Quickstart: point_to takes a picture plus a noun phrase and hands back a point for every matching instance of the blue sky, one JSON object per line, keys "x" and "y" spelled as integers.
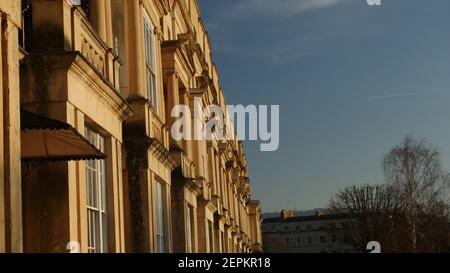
{"x": 351, "y": 81}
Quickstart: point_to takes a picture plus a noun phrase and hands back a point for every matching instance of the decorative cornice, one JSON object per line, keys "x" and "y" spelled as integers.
{"x": 191, "y": 185}
{"x": 230, "y": 164}
{"x": 223, "y": 147}
{"x": 211, "y": 207}
{"x": 158, "y": 33}
{"x": 185, "y": 14}
{"x": 188, "y": 183}
{"x": 188, "y": 44}
{"x": 181, "y": 48}
{"x": 219, "y": 218}
{"x": 162, "y": 154}
{"x": 163, "y": 6}
{"x": 198, "y": 50}
{"x": 197, "y": 92}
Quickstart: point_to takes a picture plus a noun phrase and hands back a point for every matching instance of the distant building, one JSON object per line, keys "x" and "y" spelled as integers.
{"x": 318, "y": 233}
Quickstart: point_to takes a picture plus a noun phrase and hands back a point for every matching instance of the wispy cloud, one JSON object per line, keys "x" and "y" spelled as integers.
{"x": 281, "y": 8}
{"x": 390, "y": 96}
{"x": 275, "y": 53}
{"x": 257, "y": 28}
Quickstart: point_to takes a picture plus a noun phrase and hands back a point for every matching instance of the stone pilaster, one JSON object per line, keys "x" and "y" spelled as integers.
{"x": 138, "y": 193}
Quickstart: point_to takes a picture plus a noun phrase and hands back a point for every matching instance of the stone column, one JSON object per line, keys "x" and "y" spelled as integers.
{"x": 225, "y": 239}
{"x": 168, "y": 219}
{"x": 218, "y": 233}
{"x": 173, "y": 99}
{"x": 136, "y": 135}
{"x": 202, "y": 227}
{"x": 100, "y": 19}
{"x": 10, "y": 179}
{"x": 134, "y": 49}
{"x": 138, "y": 190}
{"x": 108, "y": 24}
{"x": 52, "y": 29}
{"x": 115, "y": 196}
{"x": 188, "y": 145}
{"x": 97, "y": 17}
{"x": 2, "y": 163}
{"x": 179, "y": 220}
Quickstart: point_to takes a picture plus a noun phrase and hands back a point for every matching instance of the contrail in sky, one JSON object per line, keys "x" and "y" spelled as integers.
{"x": 389, "y": 96}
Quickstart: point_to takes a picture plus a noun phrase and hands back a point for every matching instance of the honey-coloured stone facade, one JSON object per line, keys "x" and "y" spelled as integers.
{"x": 113, "y": 71}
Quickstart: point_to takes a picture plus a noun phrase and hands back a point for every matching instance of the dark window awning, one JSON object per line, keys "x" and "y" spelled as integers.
{"x": 44, "y": 139}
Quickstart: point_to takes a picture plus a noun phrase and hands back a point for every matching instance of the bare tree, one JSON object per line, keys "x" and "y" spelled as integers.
{"x": 414, "y": 169}
{"x": 372, "y": 215}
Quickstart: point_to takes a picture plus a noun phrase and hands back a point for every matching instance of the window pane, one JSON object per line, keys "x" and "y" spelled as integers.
{"x": 150, "y": 62}
{"x": 104, "y": 233}
{"x": 189, "y": 231}
{"x": 102, "y": 182}
{"x": 91, "y": 234}
{"x": 96, "y": 196}
{"x": 160, "y": 218}
{"x": 211, "y": 238}
{"x": 98, "y": 237}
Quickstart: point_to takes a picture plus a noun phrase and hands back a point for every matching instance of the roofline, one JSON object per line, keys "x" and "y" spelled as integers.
{"x": 306, "y": 218}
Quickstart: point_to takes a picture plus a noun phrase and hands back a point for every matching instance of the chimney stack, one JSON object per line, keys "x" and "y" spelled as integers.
{"x": 318, "y": 212}
{"x": 286, "y": 214}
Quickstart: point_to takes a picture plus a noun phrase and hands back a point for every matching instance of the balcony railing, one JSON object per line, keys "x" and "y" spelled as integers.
{"x": 158, "y": 130}
{"x": 94, "y": 49}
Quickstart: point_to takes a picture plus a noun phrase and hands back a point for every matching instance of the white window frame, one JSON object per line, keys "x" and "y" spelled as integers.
{"x": 96, "y": 197}
{"x": 215, "y": 175}
{"x": 190, "y": 228}
{"x": 150, "y": 62}
{"x": 203, "y": 157}
{"x": 160, "y": 218}
{"x": 210, "y": 236}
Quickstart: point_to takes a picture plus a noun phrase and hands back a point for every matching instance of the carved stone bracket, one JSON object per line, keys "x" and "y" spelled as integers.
{"x": 162, "y": 154}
